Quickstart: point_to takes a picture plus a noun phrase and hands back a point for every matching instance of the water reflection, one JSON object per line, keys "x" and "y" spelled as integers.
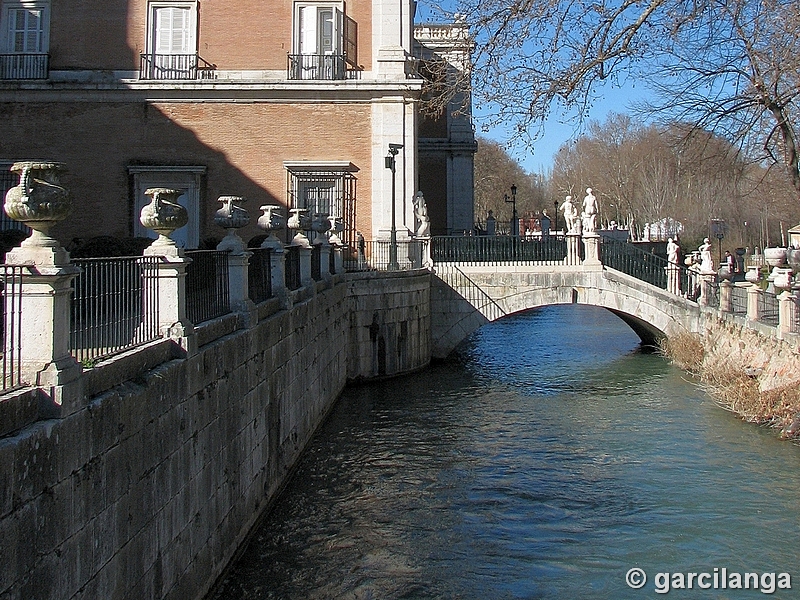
{"x": 548, "y": 457}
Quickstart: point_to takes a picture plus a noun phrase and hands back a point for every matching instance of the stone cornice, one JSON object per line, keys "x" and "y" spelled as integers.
{"x": 210, "y": 91}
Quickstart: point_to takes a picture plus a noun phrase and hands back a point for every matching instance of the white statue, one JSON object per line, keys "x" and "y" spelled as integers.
{"x": 673, "y": 251}
{"x": 589, "y": 215}
{"x": 570, "y": 215}
{"x": 421, "y": 212}
{"x": 706, "y": 260}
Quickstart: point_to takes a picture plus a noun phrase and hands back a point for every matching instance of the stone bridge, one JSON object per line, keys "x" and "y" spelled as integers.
{"x": 466, "y": 296}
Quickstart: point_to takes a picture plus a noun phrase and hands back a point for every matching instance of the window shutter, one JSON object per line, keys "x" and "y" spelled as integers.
{"x": 350, "y": 41}
{"x": 308, "y": 30}
{"x": 174, "y": 33}
{"x": 25, "y": 30}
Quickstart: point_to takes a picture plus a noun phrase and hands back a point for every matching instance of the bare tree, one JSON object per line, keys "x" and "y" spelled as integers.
{"x": 728, "y": 66}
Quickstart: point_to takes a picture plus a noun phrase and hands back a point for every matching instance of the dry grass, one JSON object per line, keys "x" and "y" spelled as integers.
{"x": 734, "y": 390}
{"x": 684, "y": 350}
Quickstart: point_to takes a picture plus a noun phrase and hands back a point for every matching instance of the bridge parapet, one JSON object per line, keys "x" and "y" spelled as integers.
{"x": 481, "y": 279}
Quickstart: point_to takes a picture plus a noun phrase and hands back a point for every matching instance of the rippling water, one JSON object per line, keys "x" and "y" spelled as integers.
{"x": 545, "y": 460}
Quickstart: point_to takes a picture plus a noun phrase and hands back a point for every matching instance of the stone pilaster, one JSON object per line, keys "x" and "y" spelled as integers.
{"x": 753, "y": 310}
{"x": 725, "y": 296}
{"x": 787, "y": 309}
{"x": 591, "y": 242}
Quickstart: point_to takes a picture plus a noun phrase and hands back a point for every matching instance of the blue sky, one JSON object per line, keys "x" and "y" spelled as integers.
{"x": 558, "y": 131}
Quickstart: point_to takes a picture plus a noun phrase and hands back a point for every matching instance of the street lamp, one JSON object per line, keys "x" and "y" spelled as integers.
{"x": 717, "y": 227}
{"x": 513, "y": 200}
{"x": 390, "y": 164}
{"x": 555, "y": 217}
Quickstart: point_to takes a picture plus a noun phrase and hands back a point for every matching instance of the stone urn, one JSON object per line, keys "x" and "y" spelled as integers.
{"x": 753, "y": 274}
{"x": 320, "y": 224}
{"x": 337, "y": 227}
{"x": 163, "y": 215}
{"x": 271, "y": 220}
{"x": 724, "y": 274}
{"x": 793, "y": 258}
{"x": 231, "y": 216}
{"x": 39, "y": 201}
{"x": 299, "y": 221}
{"x": 783, "y": 279}
{"x": 775, "y": 257}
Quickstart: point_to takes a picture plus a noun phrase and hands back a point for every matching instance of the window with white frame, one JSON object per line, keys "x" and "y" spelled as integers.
{"x": 25, "y": 39}
{"x": 171, "y": 45}
{"x": 186, "y": 178}
{"x": 324, "y": 41}
{"x": 324, "y": 187}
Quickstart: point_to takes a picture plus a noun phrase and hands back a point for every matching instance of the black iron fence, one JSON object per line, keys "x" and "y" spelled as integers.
{"x": 292, "y": 267}
{"x": 547, "y": 250}
{"x": 316, "y": 262}
{"x": 378, "y": 256}
{"x": 768, "y": 308}
{"x": 739, "y": 300}
{"x": 114, "y": 305}
{"x": 259, "y": 274}
{"x": 207, "y": 292}
{"x": 24, "y": 66}
{"x": 11, "y": 325}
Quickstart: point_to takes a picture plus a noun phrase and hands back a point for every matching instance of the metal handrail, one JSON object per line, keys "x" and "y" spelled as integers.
{"x": 174, "y": 67}
{"x": 317, "y": 67}
{"x": 501, "y": 249}
{"x": 11, "y": 326}
{"x": 114, "y": 305}
{"x": 207, "y": 288}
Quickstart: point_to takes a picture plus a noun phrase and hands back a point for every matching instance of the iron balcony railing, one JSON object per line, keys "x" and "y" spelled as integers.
{"x": 24, "y": 66}
{"x": 326, "y": 67}
{"x": 259, "y": 274}
{"x": 174, "y": 67}
{"x": 114, "y": 306}
{"x": 501, "y": 249}
{"x": 11, "y": 282}
{"x": 207, "y": 291}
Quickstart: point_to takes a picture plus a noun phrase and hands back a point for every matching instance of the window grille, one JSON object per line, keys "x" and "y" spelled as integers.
{"x": 327, "y": 191}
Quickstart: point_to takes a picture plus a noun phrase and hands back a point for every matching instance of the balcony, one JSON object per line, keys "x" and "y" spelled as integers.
{"x": 174, "y": 67}
{"x": 320, "y": 67}
{"x": 24, "y": 66}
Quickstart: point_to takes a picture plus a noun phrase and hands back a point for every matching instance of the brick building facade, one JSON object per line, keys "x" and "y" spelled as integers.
{"x": 281, "y": 102}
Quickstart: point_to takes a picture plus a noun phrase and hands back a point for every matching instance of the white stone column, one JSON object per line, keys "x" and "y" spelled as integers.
{"x": 45, "y": 306}
{"x": 169, "y": 279}
{"x": 673, "y": 279}
{"x": 725, "y": 296}
{"x": 232, "y": 217}
{"x": 787, "y": 308}
{"x": 753, "y": 311}
{"x": 238, "y": 279}
{"x": 591, "y": 242}
{"x": 705, "y": 288}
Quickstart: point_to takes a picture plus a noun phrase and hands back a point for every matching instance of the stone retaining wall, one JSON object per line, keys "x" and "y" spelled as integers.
{"x": 148, "y": 490}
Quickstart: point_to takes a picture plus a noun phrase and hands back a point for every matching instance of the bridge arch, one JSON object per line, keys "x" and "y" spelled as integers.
{"x": 466, "y": 297}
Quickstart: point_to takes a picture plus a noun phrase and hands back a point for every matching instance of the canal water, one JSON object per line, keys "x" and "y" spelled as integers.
{"x": 546, "y": 459}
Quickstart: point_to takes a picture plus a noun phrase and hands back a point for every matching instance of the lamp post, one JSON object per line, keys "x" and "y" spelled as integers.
{"x": 555, "y": 217}
{"x": 718, "y": 231}
{"x": 390, "y": 164}
{"x": 514, "y": 219}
